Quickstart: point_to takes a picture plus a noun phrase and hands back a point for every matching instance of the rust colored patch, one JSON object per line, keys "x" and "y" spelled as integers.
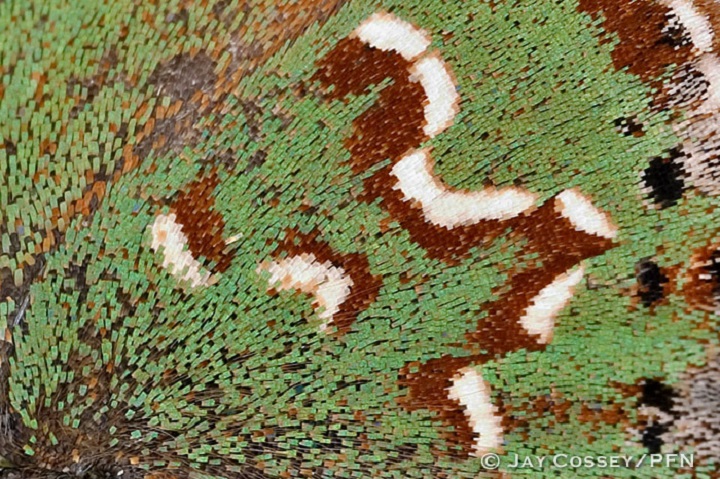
{"x": 391, "y": 126}
{"x": 617, "y": 413}
{"x": 646, "y": 48}
{"x": 388, "y": 130}
{"x": 202, "y": 225}
{"x": 438, "y": 241}
{"x": 366, "y": 286}
{"x": 501, "y": 332}
{"x": 428, "y": 386}
{"x": 611, "y": 414}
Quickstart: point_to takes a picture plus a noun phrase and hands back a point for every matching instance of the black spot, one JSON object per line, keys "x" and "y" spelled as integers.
{"x": 651, "y": 437}
{"x": 659, "y": 395}
{"x": 650, "y": 282}
{"x": 664, "y": 179}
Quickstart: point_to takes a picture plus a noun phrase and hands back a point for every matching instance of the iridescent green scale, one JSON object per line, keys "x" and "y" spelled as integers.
{"x": 277, "y": 239}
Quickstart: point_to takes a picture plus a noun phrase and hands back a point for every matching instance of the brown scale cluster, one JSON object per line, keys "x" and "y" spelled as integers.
{"x": 388, "y": 130}
{"x": 366, "y": 286}
{"x": 428, "y": 384}
{"x": 203, "y": 226}
{"x": 393, "y": 125}
{"x": 518, "y": 416}
{"x": 644, "y": 48}
{"x": 652, "y": 43}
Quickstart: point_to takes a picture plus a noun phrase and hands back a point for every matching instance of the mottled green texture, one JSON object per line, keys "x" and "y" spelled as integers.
{"x": 131, "y": 313}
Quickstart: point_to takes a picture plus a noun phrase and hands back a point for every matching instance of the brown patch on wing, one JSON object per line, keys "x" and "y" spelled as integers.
{"x": 428, "y": 386}
{"x": 438, "y": 241}
{"x": 643, "y": 48}
{"x": 388, "y": 130}
{"x": 203, "y": 226}
{"x": 391, "y": 126}
{"x": 365, "y": 288}
{"x": 501, "y": 331}
{"x": 567, "y": 249}
{"x": 611, "y": 414}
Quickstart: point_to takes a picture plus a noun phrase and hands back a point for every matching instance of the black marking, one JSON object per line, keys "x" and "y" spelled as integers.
{"x": 652, "y": 437}
{"x": 650, "y": 282}
{"x": 664, "y": 179}
{"x": 659, "y": 395}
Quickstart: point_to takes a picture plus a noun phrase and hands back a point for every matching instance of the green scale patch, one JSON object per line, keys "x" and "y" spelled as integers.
{"x": 213, "y": 267}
